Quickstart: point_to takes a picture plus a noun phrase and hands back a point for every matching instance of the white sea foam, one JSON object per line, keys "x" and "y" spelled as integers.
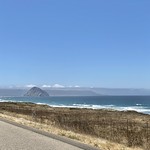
{"x": 85, "y": 106}
{"x": 7, "y": 100}
{"x": 134, "y": 108}
{"x": 138, "y": 107}
{"x": 2, "y": 100}
{"x": 138, "y": 104}
{"x": 41, "y": 103}
{"x": 128, "y": 108}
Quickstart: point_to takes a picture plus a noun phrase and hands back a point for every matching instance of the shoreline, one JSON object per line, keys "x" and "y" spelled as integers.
{"x": 90, "y": 106}
{"x": 119, "y": 103}
{"x": 101, "y": 128}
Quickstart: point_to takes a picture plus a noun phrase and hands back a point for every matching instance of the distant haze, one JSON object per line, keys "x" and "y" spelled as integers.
{"x": 78, "y": 91}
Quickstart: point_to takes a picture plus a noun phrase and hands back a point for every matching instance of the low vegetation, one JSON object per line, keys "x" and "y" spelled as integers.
{"x": 130, "y": 128}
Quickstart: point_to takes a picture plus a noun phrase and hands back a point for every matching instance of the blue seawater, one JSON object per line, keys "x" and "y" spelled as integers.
{"x": 122, "y": 103}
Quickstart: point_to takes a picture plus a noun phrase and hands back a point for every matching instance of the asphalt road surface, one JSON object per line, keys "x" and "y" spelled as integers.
{"x": 16, "y": 138}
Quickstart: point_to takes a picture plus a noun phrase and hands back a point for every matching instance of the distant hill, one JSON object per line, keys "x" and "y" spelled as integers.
{"x": 121, "y": 91}
{"x": 12, "y": 92}
{"x": 71, "y": 92}
{"x": 36, "y": 92}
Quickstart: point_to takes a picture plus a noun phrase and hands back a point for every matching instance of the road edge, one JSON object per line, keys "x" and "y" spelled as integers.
{"x": 53, "y": 136}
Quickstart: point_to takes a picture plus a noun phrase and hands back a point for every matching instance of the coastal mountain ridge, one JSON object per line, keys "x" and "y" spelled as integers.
{"x": 36, "y": 92}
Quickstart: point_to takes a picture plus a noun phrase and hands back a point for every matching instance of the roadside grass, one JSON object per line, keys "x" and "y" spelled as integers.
{"x": 104, "y": 129}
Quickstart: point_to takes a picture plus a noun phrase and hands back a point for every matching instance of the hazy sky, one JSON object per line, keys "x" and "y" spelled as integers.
{"x": 103, "y": 43}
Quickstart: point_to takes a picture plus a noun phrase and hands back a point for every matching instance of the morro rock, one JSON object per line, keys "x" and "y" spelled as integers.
{"x": 36, "y": 92}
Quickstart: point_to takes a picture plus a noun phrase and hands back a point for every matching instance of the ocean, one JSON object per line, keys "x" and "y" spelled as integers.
{"x": 121, "y": 103}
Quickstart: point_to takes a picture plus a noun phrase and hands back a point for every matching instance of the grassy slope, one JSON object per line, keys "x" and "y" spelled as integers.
{"x": 106, "y": 129}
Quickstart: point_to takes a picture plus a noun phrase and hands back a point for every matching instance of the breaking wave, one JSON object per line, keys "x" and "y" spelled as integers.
{"x": 140, "y": 109}
{"x": 54, "y": 103}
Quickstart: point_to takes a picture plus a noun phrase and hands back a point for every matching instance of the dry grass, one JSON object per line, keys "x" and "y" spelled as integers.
{"x": 105, "y": 129}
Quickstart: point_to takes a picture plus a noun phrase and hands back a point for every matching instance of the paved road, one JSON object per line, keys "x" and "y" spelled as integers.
{"x": 16, "y": 138}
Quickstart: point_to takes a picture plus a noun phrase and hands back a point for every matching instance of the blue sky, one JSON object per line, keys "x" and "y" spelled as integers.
{"x": 101, "y": 43}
